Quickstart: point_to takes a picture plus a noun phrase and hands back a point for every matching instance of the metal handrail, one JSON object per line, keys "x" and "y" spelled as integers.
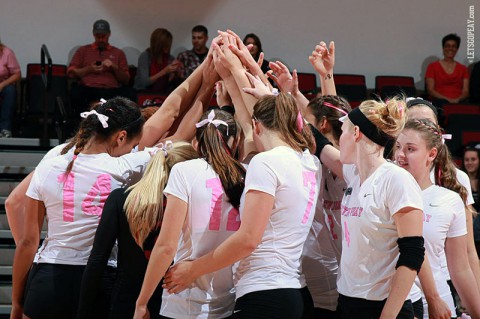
{"x": 47, "y": 82}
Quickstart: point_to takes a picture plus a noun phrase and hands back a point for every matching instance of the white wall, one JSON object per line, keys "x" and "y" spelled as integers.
{"x": 372, "y": 37}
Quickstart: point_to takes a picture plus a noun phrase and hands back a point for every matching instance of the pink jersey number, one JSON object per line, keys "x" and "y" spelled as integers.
{"x": 309, "y": 178}
{"x": 68, "y": 198}
{"x": 233, "y": 222}
{"x": 347, "y": 233}
{"x": 100, "y": 189}
{"x": 332, "y": 225}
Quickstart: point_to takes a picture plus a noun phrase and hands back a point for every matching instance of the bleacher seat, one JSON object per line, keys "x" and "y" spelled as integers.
{"x": 353, "y": 87}
{"x": 392, "y": 85}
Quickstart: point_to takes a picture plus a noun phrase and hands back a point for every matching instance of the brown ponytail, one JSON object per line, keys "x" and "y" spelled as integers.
{"x": 213, "y": 146}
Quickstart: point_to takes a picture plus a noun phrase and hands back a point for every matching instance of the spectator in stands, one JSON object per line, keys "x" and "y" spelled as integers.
{"x": 157, "y": 69}
{"x": 475, "y": 84}
{"x": 256, "y": 49}
{"x": 9, "y": 75}
{"x": 447, "y": 79}
{"x": 101, "y": 68}
{"x": 470, "y": 165}
{"x": 191, "y": 59}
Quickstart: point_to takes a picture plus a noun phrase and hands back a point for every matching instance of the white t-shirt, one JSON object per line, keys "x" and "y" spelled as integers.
{"x": 463, "y": 179}
{"x": 369, "y": 246}
{"x": 293, "y": 178}
{"x": 443, "y": 217}
{"x": 210, "y": 220}
{"x": 323, "y": 246}
{"x": 74, "y": 205}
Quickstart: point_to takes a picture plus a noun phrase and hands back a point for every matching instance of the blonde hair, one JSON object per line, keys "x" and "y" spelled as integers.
{"x": 144, "y": 204}
{"x": 389, "y": 117}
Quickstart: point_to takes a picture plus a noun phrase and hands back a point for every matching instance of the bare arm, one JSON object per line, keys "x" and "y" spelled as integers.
{"x": 10, "y": 80}
{"x": 258, "y": 208}
{"x": 323, "y": 60}
{"x": 25, "y": 252}
{"x": 462, "y": 275}
{"x": 163, "y": 252}
{"x": 181, "y": 98}
{"x": 15, "y": 208}
{"x": 409, "y": 223}
{"x": 330, "y": 157}
{"x": 437, "y": 308}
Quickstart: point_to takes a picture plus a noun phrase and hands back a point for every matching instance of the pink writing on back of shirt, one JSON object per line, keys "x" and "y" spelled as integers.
{"x": 309, "y": 178}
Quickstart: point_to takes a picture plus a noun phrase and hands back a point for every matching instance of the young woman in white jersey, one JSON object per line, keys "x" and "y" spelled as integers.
{"x": 281, "y": 190}
{"x": 323, "y": 247}
{"x": 420, "y": 147}
{"x": 203, "y": 196}
{"x": 382, "y": 246}
{"x": 132, "y": 216}
{"x": 70, "y": 191}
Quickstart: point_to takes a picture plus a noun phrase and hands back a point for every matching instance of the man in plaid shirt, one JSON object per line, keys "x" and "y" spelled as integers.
{"x": 191, "y": 59}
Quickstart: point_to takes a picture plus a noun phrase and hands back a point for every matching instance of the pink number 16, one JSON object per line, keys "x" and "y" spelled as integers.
{"x": 233, "y": 222}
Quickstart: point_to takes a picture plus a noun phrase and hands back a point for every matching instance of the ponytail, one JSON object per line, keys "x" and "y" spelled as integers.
{"x": 213, "y": 146}
{"x": 144, "y": 205}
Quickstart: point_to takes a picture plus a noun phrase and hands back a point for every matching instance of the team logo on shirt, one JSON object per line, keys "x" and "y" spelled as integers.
{"x": 348, "y": 191}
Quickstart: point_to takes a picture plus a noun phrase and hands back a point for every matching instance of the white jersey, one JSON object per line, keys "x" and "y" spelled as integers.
{"x": 74, "y": 204}
{"x": 463, "y": 179}
{"x": 369, "y": 246}
{"x": 210, "y": 220}
{"x": 443, "y": 217}
{"x": 322, "y": 249}
{"x": 293, "y": 178}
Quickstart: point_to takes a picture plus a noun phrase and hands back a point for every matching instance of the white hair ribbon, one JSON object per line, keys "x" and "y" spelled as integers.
{"x": 210, "y": 120}
{"x": 101, "y": 117}
{"x": 446, "y": 137}
{"x": 165, "y": 147}
{"x": 102, "y": 100}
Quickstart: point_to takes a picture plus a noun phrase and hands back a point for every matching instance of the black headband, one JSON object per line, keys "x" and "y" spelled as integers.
{"x": 413, "y": 102}
{"x": 368, "y": 128}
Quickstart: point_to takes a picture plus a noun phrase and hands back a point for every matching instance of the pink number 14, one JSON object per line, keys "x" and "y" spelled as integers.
{"x": 101, "y": 188}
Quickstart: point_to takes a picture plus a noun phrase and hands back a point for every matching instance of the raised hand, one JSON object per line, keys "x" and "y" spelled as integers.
{"x": 223, "y": 98}
{"x": 280, "y": 74}
{"x": 323, "y": 59}
{"x": 259, "y": 88}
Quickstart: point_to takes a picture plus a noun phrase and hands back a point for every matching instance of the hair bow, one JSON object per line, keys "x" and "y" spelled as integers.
{"x": 101, "y": 117}
{"x": 211, "y": 120}
{"x": 446, "y": 137}
{"x": 165, "y": 147}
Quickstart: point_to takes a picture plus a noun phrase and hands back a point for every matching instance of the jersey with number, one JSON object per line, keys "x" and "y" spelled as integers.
{"x": 369, "y": 246}
{"x": 443, "y": 217}
{"x": 210, "y": 220}
{"x": 74, "y": 203}
{"x": 293, "y": 179}
{"x": 323, "y": 245}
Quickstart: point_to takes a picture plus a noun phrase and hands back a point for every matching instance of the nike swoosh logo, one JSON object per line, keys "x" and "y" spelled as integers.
{"x": 432, "y": 205}
{"x": 366, "y": 195}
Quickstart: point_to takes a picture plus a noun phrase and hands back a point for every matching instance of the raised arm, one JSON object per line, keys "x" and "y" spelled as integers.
{"x": 175, "y": 104}
{"x": 323, "y": 60}
{"x": 186, "y": 129}
{"x": 287, "y": 82}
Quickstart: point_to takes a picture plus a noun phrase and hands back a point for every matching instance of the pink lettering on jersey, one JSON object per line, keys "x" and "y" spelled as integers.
{"x": 309, "y": 178}
{"x": 347, "y": 233}
{"x": 426, "y": 217}
{"x": 352, "y": 211}
{"x": 331, "y": 224}
{"x": 68, "y": 195}
{"x": 216, "y": 203}
{"x": 100, "y": 189}
{"x": 233, "y": 222}
{"x": 332, "y": 204}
